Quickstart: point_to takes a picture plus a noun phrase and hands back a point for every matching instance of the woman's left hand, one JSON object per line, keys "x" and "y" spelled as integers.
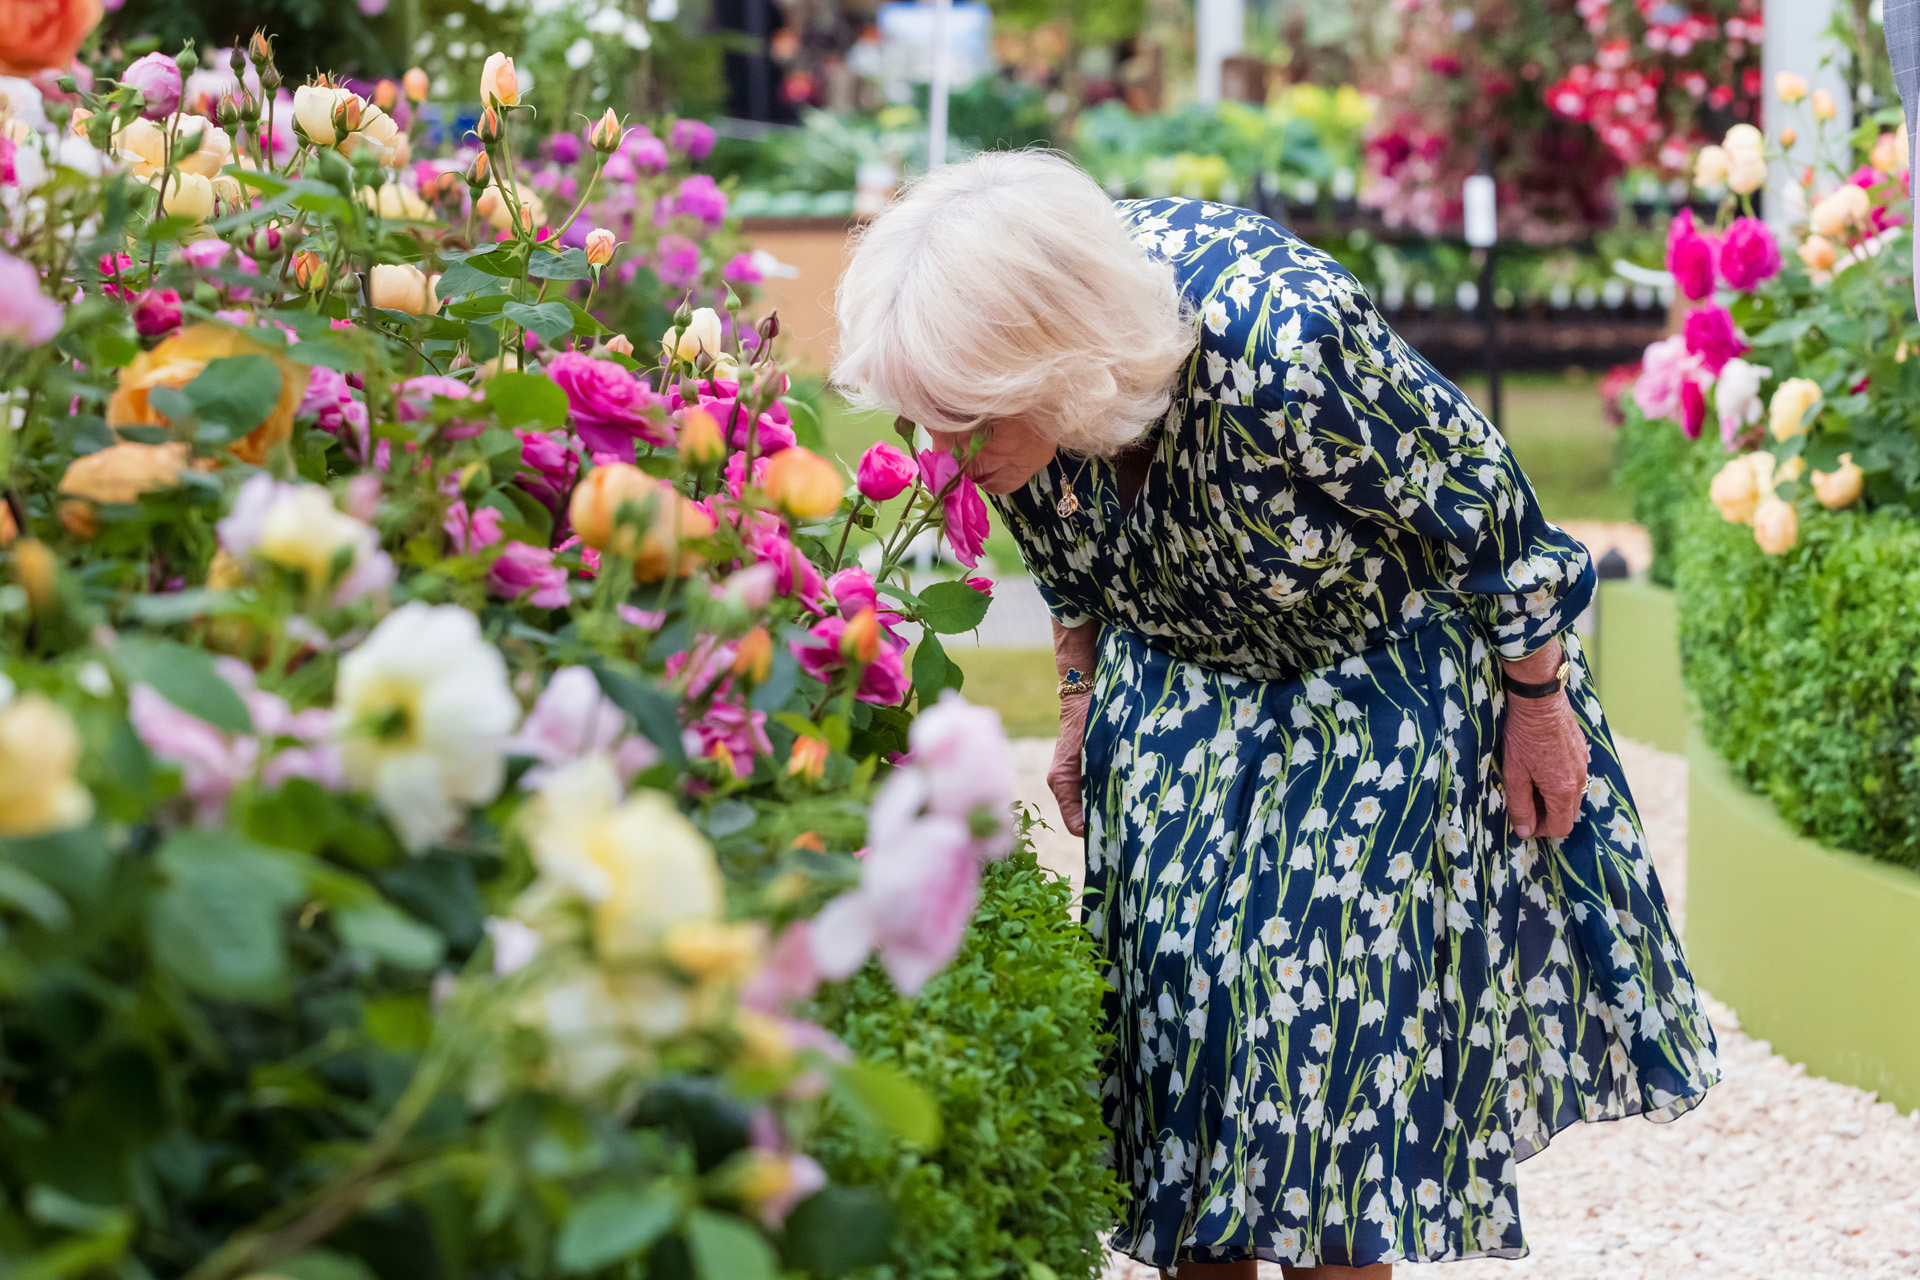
{"x": 1544, "y": 751}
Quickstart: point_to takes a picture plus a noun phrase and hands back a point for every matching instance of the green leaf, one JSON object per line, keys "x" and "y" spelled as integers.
{"x": 235, "y": 392}
{"x": 321, "y": 1264}
{"x": 185, "y": 677}
{"x": 610, "y": 1226}
{"x": 521, "y": 398}
{"x": 181, "y": 606}
{"x": 892, "y": 1100}
{"x": 330, "y": 353}
{"x": 18, "y": 889}
{"x": 952, "y": 607}
{"x": 839, "y": 1228}
{"x": 387, "y": 934}
{"x": 216, "y": 926}
{"x": 726, "y": 1248}
{"x": 654, "y": 712}
{"x": 551, "y": 320}
{"x": 570, "y": 264}
{"x": 481, "y": 306}
{"x": 461, "y": 278}
{"x": 933, "y": 670}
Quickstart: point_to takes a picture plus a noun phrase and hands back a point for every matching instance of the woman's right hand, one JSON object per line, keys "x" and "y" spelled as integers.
{"x": 1063, "y": 779}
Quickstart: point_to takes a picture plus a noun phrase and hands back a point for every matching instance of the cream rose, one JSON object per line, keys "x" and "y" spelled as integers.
{"x": 401, "y": 287}
{"x": 1710, "y": 167}
{"x": 313, "y": 108}
{"x": 701, "y": 336}
{"x": 1840, "y": 487}
{"x": 1776, "y": 527}
{"x": 142, "y": 147}
{"x": 399, "y": 202}
{"x": 1740, "y": 485}
{"x": 39, "y": 751}
{"x": 499, "y": 83}
{"x": 1818, "y": 253}
{"x": 1842, "y": 209}
{"x": 214, "y": 153}
{"x": 1792, "y": 401}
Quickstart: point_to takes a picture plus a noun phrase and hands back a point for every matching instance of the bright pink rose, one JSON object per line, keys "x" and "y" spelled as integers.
{"x": 1665, "y": 367}
{"x": 741, "y": 269}
{"x": 883, "y": 683}
{"x": 1689, "y": 257}
{"x": 157, "y": 77}
{"x": 155, "y": 312}
{"x": 794, "y": 574}
{"x": 884, "y": 472}
{"x": 522, "y": 569}
{"x": 983, "y": 585}
{"x": 416, "y": 401}
{"x": 699, "y": 197}
{"x": 611, "y": 407}
{"x": 470, "y": 532}
{"x": 965, "y": 511}
{"x": 329, "y": 399}
{"x": 721, "y": 398}
{"x": 677, "y": 262}
{"x": 547, "y": 466}
{"x": 1693, "y": 408}
{"x": 1711, "y": 335}
{"x": 646, "y": 153}
{"x": 692, "y": 138}
{"x": 1749, "y": 254}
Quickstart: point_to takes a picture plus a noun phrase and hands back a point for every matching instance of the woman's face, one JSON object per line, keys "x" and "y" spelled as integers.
{"x": 1013, "y": 452}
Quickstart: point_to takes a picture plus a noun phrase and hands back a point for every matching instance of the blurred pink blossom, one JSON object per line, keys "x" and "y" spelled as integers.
{"x": 573, "y": 718}
{"x": 965, "y": 511}
{"x": 522, "y": 569}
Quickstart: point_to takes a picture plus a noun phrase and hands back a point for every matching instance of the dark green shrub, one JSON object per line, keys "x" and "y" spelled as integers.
{"x": 1804, "y": 667}
{"x": 1006, "y": 1040}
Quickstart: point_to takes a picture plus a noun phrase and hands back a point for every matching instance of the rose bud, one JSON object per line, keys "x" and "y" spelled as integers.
{"x": 700, "y": 442}
{"x": 884, "y": 473}
{"x": 600, "y": 247}
{"x": 701, "y": 335}
{"x": 803, "y": 484}
{"x": 753, "y": 656}
{"x": 860, "y": 642}
{"x": 416, "y": 84}
{"x": 498, "y": 82}
{"x": 620, "y": 344}
{"x": 155, "y": 312}
{"x": 489, "y": 130}
{"x": 809, "y": 759}
{"x": 385, "y": 95}
{"x": 309, "y": 271}
{"x": 477, "y": 174}
{"x": 606, "y": 133}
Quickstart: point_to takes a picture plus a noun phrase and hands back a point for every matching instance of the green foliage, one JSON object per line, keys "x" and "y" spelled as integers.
{"x": 1803, "y": 665}
{"x": 1664, "y": 472}
{"x": 1006, "y": 1040}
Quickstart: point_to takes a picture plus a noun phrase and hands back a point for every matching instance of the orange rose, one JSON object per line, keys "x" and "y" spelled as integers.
{"x": 116, "y": 474}
{"x": 181, "y": 358}
{"x": 39, "y": 34}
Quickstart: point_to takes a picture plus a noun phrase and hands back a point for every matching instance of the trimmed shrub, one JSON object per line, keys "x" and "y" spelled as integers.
{"x": 1006, "y": 1040}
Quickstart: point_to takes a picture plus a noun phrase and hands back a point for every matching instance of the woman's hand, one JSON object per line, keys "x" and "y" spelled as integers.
{"x": 1074, "y": 649}
{"x": 1544, "y": 751}
{"x": 1063, "y": 779}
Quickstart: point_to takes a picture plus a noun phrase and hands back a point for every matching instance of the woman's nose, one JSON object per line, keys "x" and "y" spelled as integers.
{"x": 949, "y": 441}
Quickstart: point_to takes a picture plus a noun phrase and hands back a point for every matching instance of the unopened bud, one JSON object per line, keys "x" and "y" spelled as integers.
{"x": 620, "y": 344}
{"x": 77, "y": 123}
{"x": 860, "y": 642}
{"x": 700, "y": 442}
{"x": 249, "y": 109}
{"x": 187, "y": 60}
{"x": 600, "y": 247}
{"x": 489, "y": 130}
{"x": 477, "y": 173}
{"x": 265, "y": 243}
{"x": 606, "y": 133}
{"x": 753, "y": 657}
{"x": 416, "y": 84}
{"x": 385, "y": 95}
{"x": 1789, "y": 136}
{"x": 770, "y": 327}
{"x": 809, "y": 759}
{"x": 37, "y": 573}
{"x": 261, "y": 49}
{"x": 229, "y": 112}
{"x": 309, "y": 271}
{"x": 347, "y": 114}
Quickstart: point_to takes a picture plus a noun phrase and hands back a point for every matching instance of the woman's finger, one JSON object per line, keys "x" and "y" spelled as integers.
{"x": 1520, "y": 809}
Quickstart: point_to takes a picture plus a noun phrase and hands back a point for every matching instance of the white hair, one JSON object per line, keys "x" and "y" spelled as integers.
{"x": 1010, "y": 285}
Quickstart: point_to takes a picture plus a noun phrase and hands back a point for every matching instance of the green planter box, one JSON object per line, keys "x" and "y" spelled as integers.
{"x": 1817, "y": 950}
{"x": 1636, "y": 659}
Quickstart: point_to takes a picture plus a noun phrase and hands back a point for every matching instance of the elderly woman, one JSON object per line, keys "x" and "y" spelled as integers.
{"x": 1377, "y": 910}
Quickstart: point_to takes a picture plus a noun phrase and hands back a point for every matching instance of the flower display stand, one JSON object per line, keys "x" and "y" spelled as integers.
{"x": 1636, "y": 659}
{"x": 1816, "y": 949}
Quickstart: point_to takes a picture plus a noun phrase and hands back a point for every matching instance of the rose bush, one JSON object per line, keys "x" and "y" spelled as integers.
{"x": 432, "y": 715}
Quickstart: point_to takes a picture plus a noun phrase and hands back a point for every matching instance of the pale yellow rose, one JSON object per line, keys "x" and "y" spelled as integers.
{"x": 1776, "y": 527}
{"x": 142, "y": 147}
{"x": 397, "y": 201}
{"x": 1840, "y": 210}
{"x": 496, "y": 206}
{"x": 1789, "y": 87}
{"x": 1840, "y": 487}
{"x": 1787, "y": 412}
{"x": 214, "y": 153}
{"x": 401, "y": 287}
{"x": 1739, "y": 486}
{"x": 1744, "y": 139}
{"x": 1710, "y": 167}
{"x": 377, "y": 132}
{"x": 306, "y": 532}
{"x": 1747, "y": 173}
{"x": 701, "y": 336}
{"x": 39, "y": 751}
{"x": 186, "y": 195}
{"x": 707, "y": 949}
{"x": 313, "y": 108}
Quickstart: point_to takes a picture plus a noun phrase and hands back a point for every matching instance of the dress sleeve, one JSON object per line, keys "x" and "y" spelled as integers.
{"x": 1362, "y": 416}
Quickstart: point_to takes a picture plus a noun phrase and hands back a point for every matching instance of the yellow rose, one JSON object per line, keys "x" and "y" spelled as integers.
{"x": 1792, "y": 401}
{"x": 804, "y": 484}
{"x": 498, "y": 81}
{"x": 378, "y": 132}
{"x": 1789, "y": 87}
{"x": 1840, "y": 487}
{"x": 1710, "y": 167}
{"x": 181, "y": 359}
{"x": 142, "y": 146}
{"x": 305, "y": 531}
{"x": 187, "y": 195}
{"x": 401, "y": 287}
{"x": 39, "y": 750}
{"x": 1776, "y": 527}
{"x": 1740, "y": 485}
{"x": 705, "y": 949}
{"x": 1818, "y": 253}
{"x": 701, "y": 336}
{"x": 214, "y": 153}
{"x": 399, "y": 202}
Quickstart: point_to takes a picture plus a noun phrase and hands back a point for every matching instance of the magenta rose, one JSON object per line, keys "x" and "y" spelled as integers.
{"x": 677, "y": 262}
{"x": 611, "y": 407}
{"x": 157, "y": 77}
{"x": 155, "y": 312}
{"x": 547, "y": 466}
{"x": 700, "y": 198}
{"x": 646, "y": 153}
{"x": 692, "y": 139}
{"x": 884, "y": 472}
{"x": 965, "y": 510}
{"x": 417, "y": 396}
{"x": 1711, "y": 335}
{"x": 522, "y": 569}
{"x": 1693, "y": 408}
{"x": 1689, "y": 257}
{"x": 741, "y": 269}
{"x": 1749, "y": 254}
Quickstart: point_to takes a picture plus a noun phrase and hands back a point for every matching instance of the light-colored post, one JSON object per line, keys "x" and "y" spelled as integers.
{"x": 938, "y": 82}
{"x": 1796, "y": 41}
{"x": 1220, "y": 31}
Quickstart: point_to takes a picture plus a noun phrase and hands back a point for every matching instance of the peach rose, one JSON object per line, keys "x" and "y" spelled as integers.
{"x": 1840, "y": 487}
{"x": 180, "y": 359}
{"x": 37, "y": 35}
{"x": 1776, "y": 526}
{"x": 116, "y": 474}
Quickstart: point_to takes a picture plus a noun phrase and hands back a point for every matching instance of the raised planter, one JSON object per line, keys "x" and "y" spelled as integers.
{"x": 1636, "y": 658}
{"x": 1817, "y": 950}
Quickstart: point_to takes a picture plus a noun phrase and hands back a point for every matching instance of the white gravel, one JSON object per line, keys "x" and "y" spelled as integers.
{"x": 1777, "y": 1175}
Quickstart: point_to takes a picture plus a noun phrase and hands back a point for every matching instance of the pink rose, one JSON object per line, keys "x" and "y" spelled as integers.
{"x": 965, "y": 512}
{"x": 960, "y": 752}
{"x": 1665, "y": 367}
{"x": 677, "y": 262}
{"x": 1693, "y": 408}
{"x": 741, "y": 269}
{"x": 721, "y": 397}
{"x": 692, "y": 138}
{"x": 547, "y": 466}
{"x": 1749, "y": 254}
{"x": 329, "y": 399}
{"x": 469, "y": 532}
{"x": 573, "y": 718}
{"x": 155, "y": 312}
{"x": 699, "y": 197}
{"x": 157, "y": 77}
{"x": 1689, "y": 257}
{"x": 522, "y": 569}
{"x": 1711, "y": 335}
{"x": 416, "y": 401}
{"x": 646, "y": 153}
{"x": 611, "y": 407}
{"x": 983, "y": 585}
{"x": 919, "y": 884}
{"x": 884, "y": 472}
{"x": 883, "y": 683}
{"x": 28, "y": 317}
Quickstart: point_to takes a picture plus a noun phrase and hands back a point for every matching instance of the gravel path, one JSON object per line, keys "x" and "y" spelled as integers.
{"x": 1777, "y": 1174}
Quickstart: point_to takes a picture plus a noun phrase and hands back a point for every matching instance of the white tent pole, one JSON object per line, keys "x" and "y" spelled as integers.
{"x": 938, "y": 85}
{"x": 1795, "y": 40}
{"x": 1219, "y": 32}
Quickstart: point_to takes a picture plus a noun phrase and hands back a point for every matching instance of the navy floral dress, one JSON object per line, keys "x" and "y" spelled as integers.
{"x": 1346, "y": 999}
